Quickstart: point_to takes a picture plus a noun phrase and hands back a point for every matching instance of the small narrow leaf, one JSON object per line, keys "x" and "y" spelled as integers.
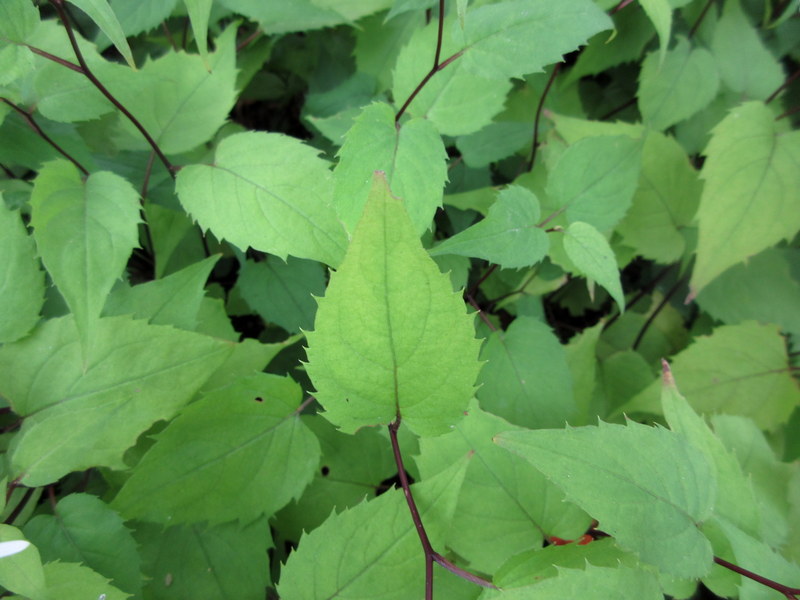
{"x": 508, "y": 236}
{"x": 413, "y": 158}
{"x": 21, "y": 279}
{"x": 267, "y": 191}
{"x": 238, "y": 453}
{"x": 589, "y": 250}
{"x": 387, "y": 316}
{"x": 103, "y": 16}
{"x": 749, "y": 201}
{"x": 650, "y": 504}
{"x": 85, "y": 232}
{"x": 199, "y": 11}
{"x": 660, "y": 13}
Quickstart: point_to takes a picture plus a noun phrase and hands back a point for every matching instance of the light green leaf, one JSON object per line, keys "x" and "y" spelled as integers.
{"x": 21, "y": 279}
{"x": 455, "y": 100}
{"x": 581, "y": 354}
{"x": 352, "y": 10}
{"x": 413, "y": 158}
{"x": 501, "y": 493}
{"x": 508, "y": 236}
{"x": 279, "y": 16}
{"x": 517, "y": 37}
{"x": 745, "y": 64}
{"x": 736, "y": 500}
{"x": 762, "y": 289}
{"x": 268, "y": 191}
{"x": 85, "y": 530}
{"x": 103, "y": 16}
{"x": 199, "y": 11}
{"x": 187, "y": 100}
{"x": 526, "y": 379}
{"x": 197, "y": 561}
{"x": 494, "y": 142}
{"x": 589, "y": 250}
{"x": 70, "y": 580}
{"x": 389, "y": 314}
{"x": 749, "y": 201}
{"x": 660, "y": 13}
{"x": 676, "y": 86}
{"x": 85, "y": 232}
{"x": 664, "y": 203}
{"x": 595, "y": 178}
{"x": 173, "y": 300}
{"x": 737, "y": 370}
{"x": 80, "y": 414}
{"x": 18, "y": 19}
{"x": 283, "y": 292}
{"x": 22, "y": 572}
{"x": 591, "y": 583}
{"x": 143, "y": 15}
{"x": 372, "y": 550}
{"x": 650, "y": 505}
{"x": 240, "y": 452}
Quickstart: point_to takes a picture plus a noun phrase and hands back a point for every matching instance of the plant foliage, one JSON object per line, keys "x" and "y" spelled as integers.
{"x": 394, "y": 299}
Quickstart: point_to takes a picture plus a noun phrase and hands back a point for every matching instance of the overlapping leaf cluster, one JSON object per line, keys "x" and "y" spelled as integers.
{"x": 206, "y": 322}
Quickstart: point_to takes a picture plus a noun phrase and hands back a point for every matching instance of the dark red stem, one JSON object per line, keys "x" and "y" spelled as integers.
{"x": 789, "y": 592}
{"x": 537, "y": 119}
{"x": 700, "y": 18}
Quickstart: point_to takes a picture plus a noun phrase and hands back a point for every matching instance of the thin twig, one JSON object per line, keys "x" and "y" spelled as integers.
{"x": 790, "y": 592}
{"x": 787, "y": 113}
{"x": 783, "y": 86}
{"x": 619, "y": 108}
{"x": 620, "y": 6}
{"x": 642, "y": 293}
{"x": 55, "y": 59}
{"x": 248, "y": 40}
{"x": 59, "y": 6}
{"x": 700, "y": 18}
{"x": 537, "y": 119}
{"x": 35, "y": 126}
{"x": 483, "y": 278}
{"x": 168, "y": 33}
{"x": 439, "y": 36}
{"x": 657, "y": 310}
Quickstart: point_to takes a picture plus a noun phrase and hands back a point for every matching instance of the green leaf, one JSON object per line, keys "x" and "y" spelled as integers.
{"x": 199, "y": 12}
{"x": 283, "y": 292}
{"x": 240, "y": 452}
{"x": 389, "y": 314}
{"x": 352, "y": 10}
{"x": 664, "y": 203}
{"x": 137, "y": 17}
{"x": 85, "y": 530}
{"x": 660, "y": 13}
{"x": 762, "y": 289}
{"x": 80, "y": 414}
{"x": 651, "y": 504}
{"x": 267, "y": 191}
{"x": 373, "y": 549}
{"x": 749, "y": 201}
{"x": 103, "y": 16}
{"x": 18, "y": 19}
{"x": 724, "y": 372}
{"x": 69, "y": 580}
{"x": 413, "y": 158}
{"x": 591, "y": 583}
{"x": 214, "y": 563}
{"x": 589, "y": 250}
{"x": 736, "y": 500}
{"x": 526, "y": 379}
{"x": 745, "y": 64}
{"x": 22, "y": 572}
{"x": 595, "y": 179}
{"x": 173, "y": 300}
{"x": 516, "y": 37}
{"x": 278, "y": 16}
{"x": 501, "y": 493}
{"x": 508, "y": 236}
{"x": 494, "y": 142}
{"x": 85, "y": 232}
{"x": 676, "y": 86}
{"x": 187, "y": 101}
{"x": 455, "y": 100}
{"x": 21, "y": 279}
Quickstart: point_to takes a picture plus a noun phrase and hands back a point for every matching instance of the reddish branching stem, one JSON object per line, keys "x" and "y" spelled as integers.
{"x": 537, "y": 119}
{"x": 431, "y": 555}
{"x": 700, "y": 18}
{"x": 35, "y": 126}
{"x": 790, "y": 592}
{"x": 783, "y": 86}
{"x": 87, "y": 72}
{"x": 437, "y": 66}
